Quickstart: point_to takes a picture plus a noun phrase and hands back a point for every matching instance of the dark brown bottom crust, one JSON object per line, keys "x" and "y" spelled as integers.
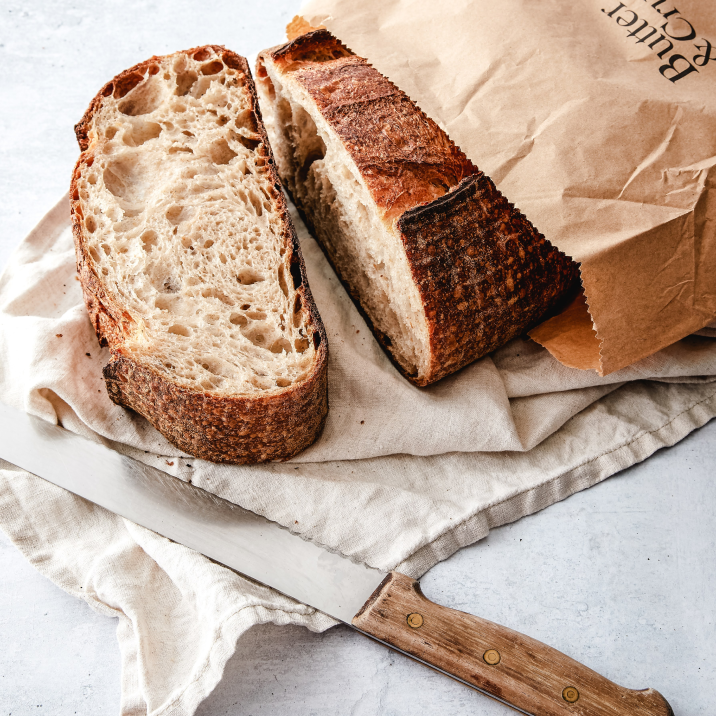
{"x": 226, "y": 430}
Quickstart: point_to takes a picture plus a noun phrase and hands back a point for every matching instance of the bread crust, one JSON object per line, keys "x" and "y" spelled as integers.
{"x": 484, "y": 273}
{"x": 232, "y": 429}
{"x": 403, "y": 156}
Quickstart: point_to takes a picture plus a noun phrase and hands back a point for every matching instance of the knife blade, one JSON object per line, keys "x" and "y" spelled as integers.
{"x": 389, "y": 607}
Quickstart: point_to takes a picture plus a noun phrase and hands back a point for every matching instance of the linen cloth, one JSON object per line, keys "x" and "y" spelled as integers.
{"x": 400, "y": 478}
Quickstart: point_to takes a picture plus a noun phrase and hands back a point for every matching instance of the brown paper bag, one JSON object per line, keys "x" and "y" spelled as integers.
{"x": 597, "y": 118}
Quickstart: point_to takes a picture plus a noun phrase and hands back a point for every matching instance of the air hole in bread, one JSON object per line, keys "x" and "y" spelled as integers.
{"x": 232, "y": 61}
{"x": 211, "y": 68}
{"x": 281, "y": 345}
{"x": 140, "y": 133}
{"x": 257, "y": 338}
{"x": 203, "y": 54}
{"x": 126, "y": 84}
{"x": 144, "y": 98}
{"x": 179, "y": 330}
{"x": 301, "y": 345}
{"x": 265, "y": 81}
{"x": 255, "y": 202}
{"x": 149, "y": 239}
{"x": 126, "y": 178}
{"x": 245, "y": 120}
{"x": 238, "y": 320}
{"x": 219, "y": 295}
{"x": 110, "y": 132}
{"x": 212, "y": 366}
{"x": 282, "y": 280}
{"x": 174, "y": 214}
{"x": 248, "y": 277}
{"x": 200, "y": 88}
{"x": 313, "y": 154}
{"x": 185, "y": 82}
{"x": 250, "y": 143}
{"x": 90, "y": 224}
{"x": 297, "y": 313}
{"x": 296, "y": 273}
{"x": 178, "y": 149}
{"x": 221, "y": 152}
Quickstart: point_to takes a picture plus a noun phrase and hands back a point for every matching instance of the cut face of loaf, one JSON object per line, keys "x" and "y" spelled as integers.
{"x": 443, "y": 268}
{"x": 189, "y": 262}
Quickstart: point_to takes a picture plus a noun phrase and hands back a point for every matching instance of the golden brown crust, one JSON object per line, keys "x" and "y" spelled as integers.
{"x": 221, "y": 429}
{"x": 404, "y": 157}
{"x": 234, "y": 430}
{"x": 484, "y": 273}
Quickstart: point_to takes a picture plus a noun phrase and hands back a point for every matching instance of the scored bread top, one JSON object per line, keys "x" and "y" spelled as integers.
{"x": 189, "y": 262}
{"x": 483, "y": 272}
{"x": 404, "y": 157}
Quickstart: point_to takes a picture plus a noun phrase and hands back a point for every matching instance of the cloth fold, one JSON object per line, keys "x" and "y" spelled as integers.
{"x": 427, "y": 472}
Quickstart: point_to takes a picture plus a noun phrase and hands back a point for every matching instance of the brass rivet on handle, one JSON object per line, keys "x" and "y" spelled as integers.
{"x": 415, "y": 620}
{"x": 570, "y": 694}
{"x": 491, "y": 657}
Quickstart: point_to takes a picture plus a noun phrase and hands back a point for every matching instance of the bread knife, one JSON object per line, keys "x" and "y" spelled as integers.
{"x": 508, "y": 666}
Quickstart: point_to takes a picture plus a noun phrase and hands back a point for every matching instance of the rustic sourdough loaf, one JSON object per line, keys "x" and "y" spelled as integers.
{"x": 442, "y": 266}
{"x": 189, "y": 263}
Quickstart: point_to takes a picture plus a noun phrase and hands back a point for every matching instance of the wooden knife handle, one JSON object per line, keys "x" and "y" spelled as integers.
{"x": 502, "y": 663}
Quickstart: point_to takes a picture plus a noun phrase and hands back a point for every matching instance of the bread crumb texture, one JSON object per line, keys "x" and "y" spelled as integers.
{"x": 443, "y": 268}
{"x": 182, "y": 228}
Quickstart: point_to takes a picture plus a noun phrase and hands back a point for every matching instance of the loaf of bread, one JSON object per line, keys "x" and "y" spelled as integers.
{"x": 443, "y": 268}
{"x": 190, "y": 266}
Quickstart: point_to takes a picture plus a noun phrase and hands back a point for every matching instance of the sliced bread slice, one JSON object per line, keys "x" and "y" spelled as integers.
{"x": 444, "y": 269}
{"x": 190, "y": 266}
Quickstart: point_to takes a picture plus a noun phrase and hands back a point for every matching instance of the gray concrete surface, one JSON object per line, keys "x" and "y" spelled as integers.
{"x": 621, "y": 577}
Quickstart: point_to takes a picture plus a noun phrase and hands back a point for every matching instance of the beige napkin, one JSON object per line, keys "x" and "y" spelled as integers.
{"x": 508, "y": 436}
